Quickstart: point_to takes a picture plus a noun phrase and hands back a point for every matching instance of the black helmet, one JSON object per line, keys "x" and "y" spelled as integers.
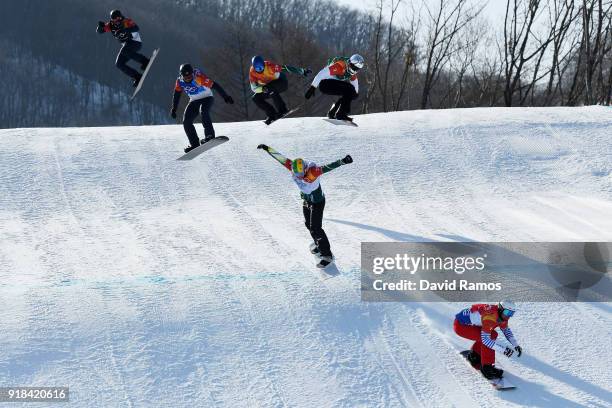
{"x": 186, "y": 69}
{"x": 114, "y": 14}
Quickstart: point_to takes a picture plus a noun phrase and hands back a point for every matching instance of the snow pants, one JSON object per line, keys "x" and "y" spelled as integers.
{"x": 487, "y": 355}
{"x": 313, "y": 217}
{"x": 344, "y": 89}
{"x": 201, "y": 106}
{"x": 276, "y": 87}
{"x": 129, "y": 51}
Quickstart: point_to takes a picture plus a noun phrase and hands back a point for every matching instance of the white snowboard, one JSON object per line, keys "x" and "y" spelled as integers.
{"x": 144, "y": 74}
{"x": 204, "y": 147}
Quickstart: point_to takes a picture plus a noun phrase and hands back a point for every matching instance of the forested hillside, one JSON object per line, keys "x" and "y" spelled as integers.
{"x": 57, "y": 71}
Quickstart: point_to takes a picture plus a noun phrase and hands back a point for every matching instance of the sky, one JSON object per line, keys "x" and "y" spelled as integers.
{"x": 494, "y": 10}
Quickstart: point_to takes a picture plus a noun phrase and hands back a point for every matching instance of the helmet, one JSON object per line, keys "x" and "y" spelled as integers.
{"x": 506, "y": 308}
{"x": 114, "y": 14}
{"x": 297, "y": 166}
{"x": 356, "y": 62}
{"x": 185, "y": 70}
{"x": 258, "y": 63}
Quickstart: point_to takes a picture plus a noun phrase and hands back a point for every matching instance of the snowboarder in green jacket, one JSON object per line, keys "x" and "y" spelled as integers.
{"x": 306, "y": 175}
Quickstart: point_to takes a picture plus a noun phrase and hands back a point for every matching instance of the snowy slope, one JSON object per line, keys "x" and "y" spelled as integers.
{"x": 138, "y": 280}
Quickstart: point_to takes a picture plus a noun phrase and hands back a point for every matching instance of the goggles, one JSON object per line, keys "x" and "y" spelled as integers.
{"x": 507, "y": 313}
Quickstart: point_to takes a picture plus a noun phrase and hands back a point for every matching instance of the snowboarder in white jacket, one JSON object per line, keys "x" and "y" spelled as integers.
{"x": 339, "y": 77}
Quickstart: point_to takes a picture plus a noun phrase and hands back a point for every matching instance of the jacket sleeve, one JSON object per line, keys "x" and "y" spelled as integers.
{"x": 293, "y": 70}
{"x": 178, "y": 90}
{"x": 510, "y": 336}
{"x": 355, "y": 84}
{"x": 219, "y": 89}
{"x": 280, "y": 158}
{"x": 331, "y": 166}
{"x": 323, "y": 74}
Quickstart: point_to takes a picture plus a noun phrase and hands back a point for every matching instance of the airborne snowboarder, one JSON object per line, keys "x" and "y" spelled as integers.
{"x": 478, "y": 323}
{"x": 306, "y": 175}
{"x": 199, "y": 89}
{"x": 339, "y": 77}
{"x": 268, "y": 80}
{"x": 127, "y": 32}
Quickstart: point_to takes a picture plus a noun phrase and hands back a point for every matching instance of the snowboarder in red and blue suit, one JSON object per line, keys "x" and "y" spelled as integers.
{"x": 199, "y": 88}
{"x": 127, "y": 32}
{"x": 478, "y": 323}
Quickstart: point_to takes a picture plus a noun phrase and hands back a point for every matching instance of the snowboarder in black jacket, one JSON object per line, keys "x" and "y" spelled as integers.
{"x": 127, "y": 32}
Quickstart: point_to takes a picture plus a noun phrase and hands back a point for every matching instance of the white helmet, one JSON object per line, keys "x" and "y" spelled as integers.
{"x": 507, "y": 308}
{"x": 356, "y": 62}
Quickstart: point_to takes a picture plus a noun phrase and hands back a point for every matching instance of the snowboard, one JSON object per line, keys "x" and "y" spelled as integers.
{"x": 500, "y": 384}
{"x": 204, "y": 147}
{"x": 291, "y": 111}
{"x": 144, "y": 74}
{"x": 341, "y": 122}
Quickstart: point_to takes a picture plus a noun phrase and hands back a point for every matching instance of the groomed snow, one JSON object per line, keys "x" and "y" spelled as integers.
{"x": 138, "y": 280}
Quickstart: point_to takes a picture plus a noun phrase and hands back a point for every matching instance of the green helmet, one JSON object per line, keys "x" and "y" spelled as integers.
{"x": 297, "y": 166}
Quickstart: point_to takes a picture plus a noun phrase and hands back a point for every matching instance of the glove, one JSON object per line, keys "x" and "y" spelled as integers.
{"x": 228, "y": 99}
{"x": 310, "y": 92}
{"x": 266, "y": 90}
{"x": 100, "y": 28}
{"x": 519, "y": 351}
{"x": 173, "y": 113}
{"x": 348, "y": 159}
{"x": 306, "y": 71}
{"x": 263, "y": 147}
{"x": 508, "y": 352}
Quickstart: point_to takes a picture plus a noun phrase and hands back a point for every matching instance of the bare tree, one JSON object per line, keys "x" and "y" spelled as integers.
{"x": 562, "y": 14}
{"x": 444, "y": 24}
{"x": 522, "y": 46}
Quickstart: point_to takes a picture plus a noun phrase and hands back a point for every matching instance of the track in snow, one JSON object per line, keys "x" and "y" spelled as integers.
{"x": 138, "y": 280}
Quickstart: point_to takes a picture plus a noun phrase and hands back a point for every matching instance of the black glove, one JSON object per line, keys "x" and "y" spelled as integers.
{"x": 228, "y": 99}
{"x": 173, "y": 113}
{"x": 306, "y": 71}
{"x": 519, "y": 350}
{"x": 263, "y": 146}
{"x": 100, "y": 28}
{"x": 266, "y": 90}
{"x": 508, "y": 352}
{"x": 348, "y": 159}
{"x": 310, "y": 92}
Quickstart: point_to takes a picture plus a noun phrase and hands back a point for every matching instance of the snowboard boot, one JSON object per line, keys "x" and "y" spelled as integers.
{"x": 490, "y": 372}
{"x": 189, "y": 148}
{"x": 314, "y": 249}
{"x": 136, "y": 80}
{"x": 325, "y": 261}
{"x": 271, "y": 119}
{"x": 206, "y": 139}
{"x": 474, "y": 358}
{"x": 343, "y": 116}
{"x": 331, "y": 114}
